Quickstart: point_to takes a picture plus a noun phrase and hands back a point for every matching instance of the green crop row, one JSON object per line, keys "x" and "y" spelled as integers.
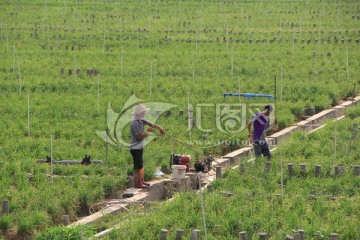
{"x": 275, "y": 202}
{"x": 177, "y": 52}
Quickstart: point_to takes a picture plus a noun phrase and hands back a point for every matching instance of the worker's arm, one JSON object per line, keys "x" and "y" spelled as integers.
{"x": 153, "y": 125}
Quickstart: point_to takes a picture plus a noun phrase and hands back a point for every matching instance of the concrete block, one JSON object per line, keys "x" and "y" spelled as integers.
{"x": 223, "y": 162}
{"x": 322, "y": 116}
{"x": 270, "y": 142}
{"x": 184, "y": 184}
{"x": 351, "y": 103}
{"x": 340, "y": 110}
{"x": 283, "y": 134}
{"x": 156, "y": 190}
{"x": 170, "y": 187}
{"x": 235, "y": 156}
{"x": 304, "y": 125}
{"x": 193, "y": 179}
{"x": 176, "y": 185}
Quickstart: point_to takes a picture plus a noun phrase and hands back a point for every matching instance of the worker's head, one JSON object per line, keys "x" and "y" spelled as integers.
{"x": 140, "y": 111}
{"x": 268, "y": 109}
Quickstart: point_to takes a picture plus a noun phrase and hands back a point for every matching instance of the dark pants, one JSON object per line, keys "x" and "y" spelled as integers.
{"x": 261, "y": 148}
{"x": 138, "y": 161}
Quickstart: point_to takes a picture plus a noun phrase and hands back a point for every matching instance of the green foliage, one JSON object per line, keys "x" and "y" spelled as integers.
{"x": 196, "y": 49}
{"x": 66, "y": 233}
{"x": 5, "y": 223}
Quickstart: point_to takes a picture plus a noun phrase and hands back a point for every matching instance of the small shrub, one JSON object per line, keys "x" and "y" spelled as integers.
{"x": 65, "y": 233}
{"x": 4, "y": 223}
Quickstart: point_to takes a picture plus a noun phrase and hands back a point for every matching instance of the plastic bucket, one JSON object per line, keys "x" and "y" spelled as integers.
{"x": 178, "y": 171}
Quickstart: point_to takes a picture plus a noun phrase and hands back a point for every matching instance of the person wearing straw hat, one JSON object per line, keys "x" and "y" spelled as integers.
{"x": 138, "y": 135}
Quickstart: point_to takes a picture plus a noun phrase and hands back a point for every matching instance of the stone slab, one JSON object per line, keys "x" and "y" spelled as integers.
{"x": 240, "y": 153}
{"x": 223, "y": 162}
{"x": 323, "y": 116}
{"x": 340, "y": 110}
{"x": 283, "y": 134}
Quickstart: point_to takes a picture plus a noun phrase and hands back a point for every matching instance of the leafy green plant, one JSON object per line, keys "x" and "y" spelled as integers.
{"x": 66, "y": 233}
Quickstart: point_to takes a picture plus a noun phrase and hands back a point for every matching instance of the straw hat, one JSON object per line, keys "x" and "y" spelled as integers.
{"x": 140, "y": 108}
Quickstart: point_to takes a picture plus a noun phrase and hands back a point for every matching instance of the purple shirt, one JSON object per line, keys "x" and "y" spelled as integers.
{"x": 261, "y": 124}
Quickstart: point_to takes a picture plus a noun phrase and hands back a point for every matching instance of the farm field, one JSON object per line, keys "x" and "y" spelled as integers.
{"x": 66, "y": 65}
{"x": 277, "y": 202}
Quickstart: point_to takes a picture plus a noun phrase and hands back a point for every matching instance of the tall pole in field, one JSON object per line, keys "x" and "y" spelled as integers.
{"x": 196, "y": 42}
{"x": 121, "y": 62}
{"x": 281, "y": 80}
{"x": 98, "y": 95}
{"x": 347, "y": 62}
{"x": 20, "y": 82}
{"x": 14, "y": 57}
{"x": 281, "y": 171}
{"x": 75, "y": 66}
{"x": 293, "y": 44}
{"x": 190, "y": 116}
{"x": 52, "y": 161}
{"x": 193, "y": 69}
{"x": 28, "y": 112}
{"x": 232, "y": 63}
{"x": 150, "y": 79}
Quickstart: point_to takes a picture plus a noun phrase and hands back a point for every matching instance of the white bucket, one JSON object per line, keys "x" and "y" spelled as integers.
{"x": 178, "y": 171}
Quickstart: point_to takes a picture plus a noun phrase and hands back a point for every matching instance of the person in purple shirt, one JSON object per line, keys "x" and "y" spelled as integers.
{"x": 138, "y": 135}
{"x": 260, "y": 123}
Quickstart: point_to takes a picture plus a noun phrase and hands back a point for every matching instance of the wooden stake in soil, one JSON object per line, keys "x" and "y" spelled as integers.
{"x": 357, "y": 170}
{"x": 262, "y": 236}
{"x": 195, "y": 234}
{"x": 317, "y": 170}
{"x": 303, "y": 168}
{"x": 218, "y": 172}
{"x": 163, "y": 234}
{"x": 66, "y": 220}
{"x": 179, "y": 234}
{"x": 339, "y": 170}
{"x": 302, "y": 234}
{"x": 291, "y": 169}
{"x": 334, "y": 236}
{"x": 242, "y": 168}
{"x": 297, "y": 236}
{"x": 243, "y": 235}
{"x": 5, "y": 207}
{"x": 267, "y": 166}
